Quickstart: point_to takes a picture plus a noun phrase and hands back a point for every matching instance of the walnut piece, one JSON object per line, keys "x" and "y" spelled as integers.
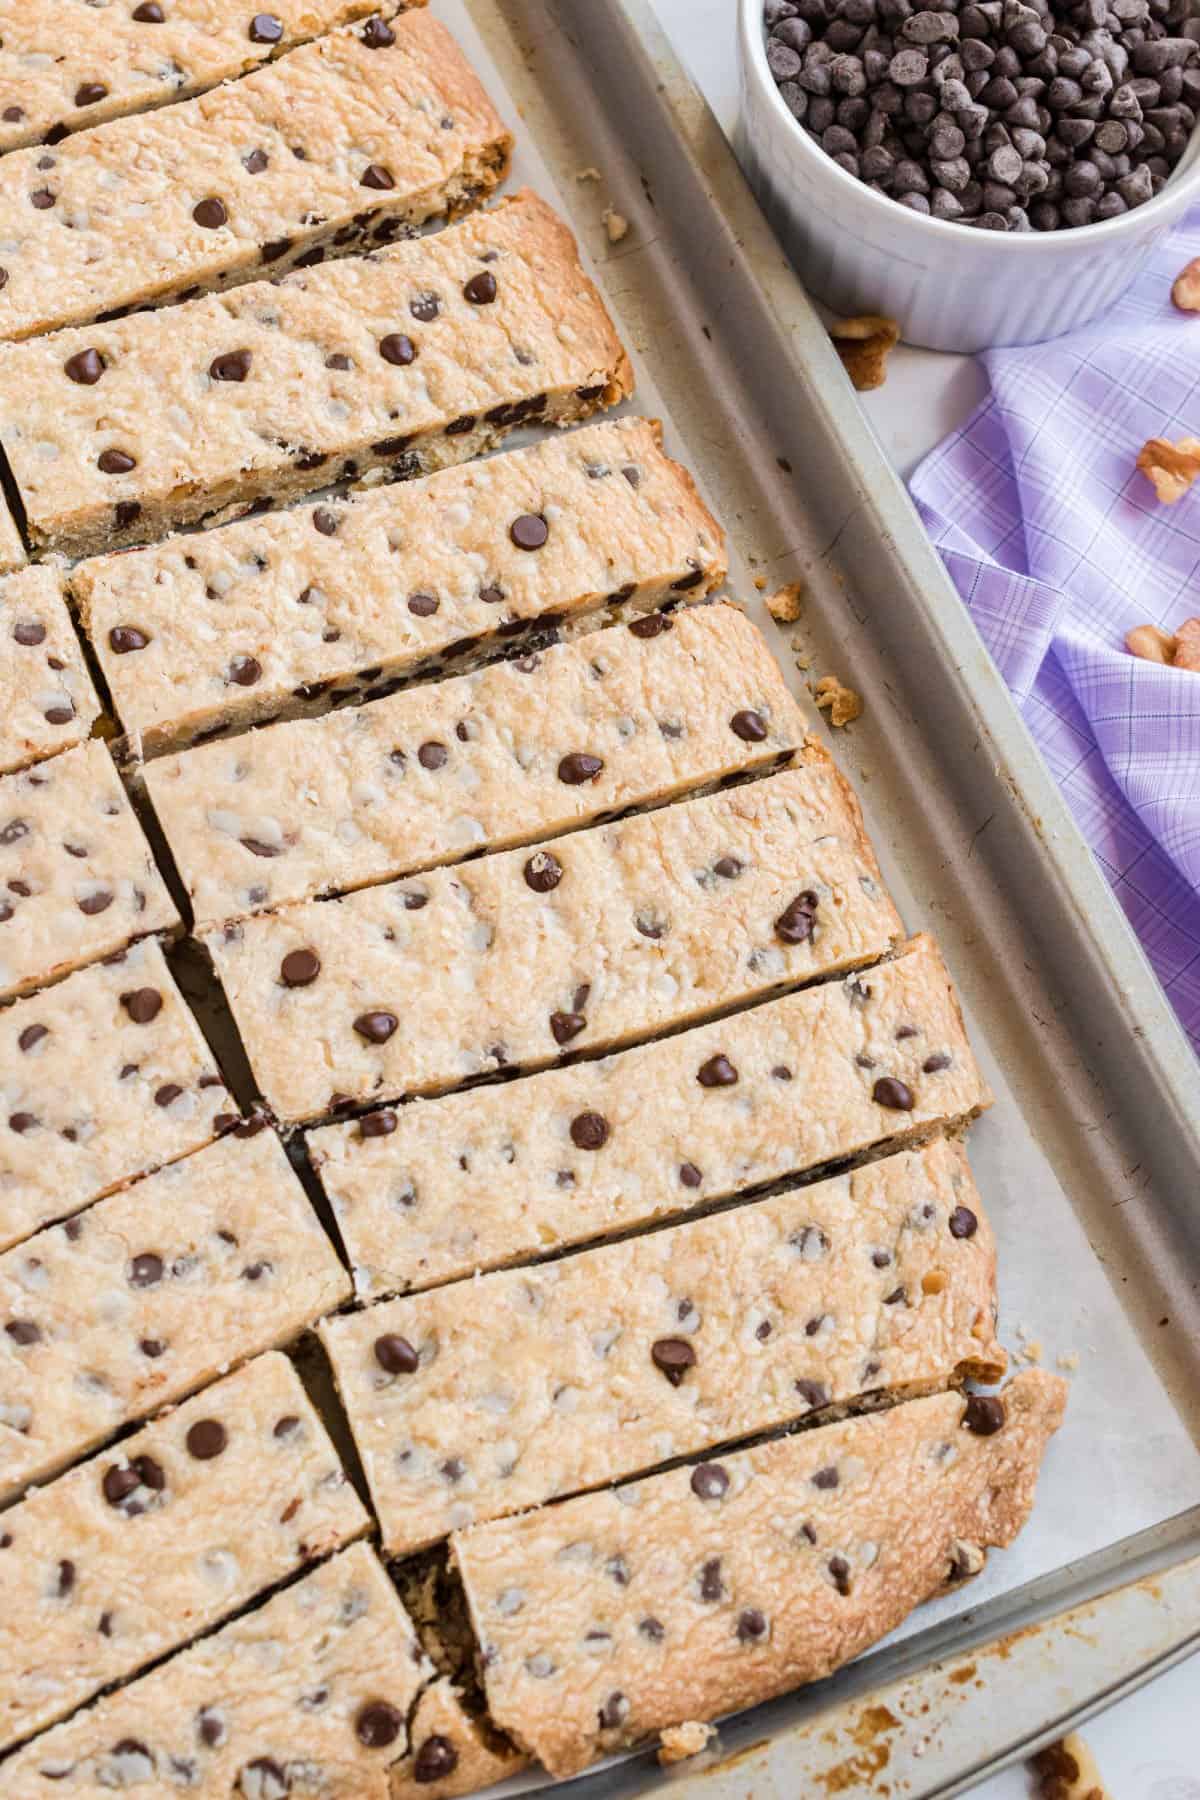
{"x": 787, "y": 603}
{"x": 681, "y": 1741}
{"x": 1067, "y": 1771}
{"x": 863, "y": 345}
{"x": 1185, "y": 290}
{"x": 1171, "y": 467}
{"x": 843, "y": 704}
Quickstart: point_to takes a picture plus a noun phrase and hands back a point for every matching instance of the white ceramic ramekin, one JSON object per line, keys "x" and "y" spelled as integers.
{"x": 949, "y": 287}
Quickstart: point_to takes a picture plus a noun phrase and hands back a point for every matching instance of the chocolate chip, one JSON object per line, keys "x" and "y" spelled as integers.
{"x": 376, "y": 176}
{"x": 435, "y": 1760}
{"x": 59, "y": 715}
{"x": 255, "y": 161}
{"x": 839, "y": 1568}
{"x": 613, "y": 1714}
{"x": 89, "y": 92}
{"x": 709, "y": 1481}
{"x": 376, "y": 35}
{"x": 567, "y": 1025}
{"x": 933, "y": 1065}
{"x": 423, "y": 605}
{"x": 690, "y": 1175}
{"x": 286, "y": 1428}
{"x": 378, "y": 1124}
{"x": 579, "y": 767}
{"x": 85, "y": 367}
{"x": 529, "y": 531}
{"x": 256, "y": 1270}
{"x": 143, "y": 1005}
{"x": 169, "y": 1091}
{"x": 712, "y": 1587}
{"x": 21, "y": 1122}
{"x": 23, "y": 1332}
{"x": 751, "y": 1626}
{"x": 749, "y": 726}
{"x": 652, "y": 1629}
{"x": 589, "y": 1131}
{"x": 257, "y": 847}
{"x": 674, "y": 1356}
{"x": 29, "y": 632}
{"x": 146, "y": 1269}
{"x": 826, "y": 1478}
{"x": 231, "y": 365}
{"x": 210, "y": 213}
{"x": 893, "y": 1094}
{"x": 433, "y": 755}
{"x": 115, "y": 462}
{"x": 814, "y": 1392}
{"x": 32, "y": 1034}
{"x": 151, "y": 1347}
{"x": 543, "y": 872}
{"x": 265, "y": 28}
{"x": 480, "y": 290}
{"x": 985, "y": 1414}
{"x": 325, "y": 521}
{"x": 42, "y": 199}
{"x": 244, "y": 671}
{"x": 122, "y": 639}
{"x": 795, "y": 923}
{"x": 65, "y": 1578}
{"x": 206, "y": 1439}
{"x": 963, "y": 1223}
{"x": 95, "y": 903}
{"x": 396, "y": 1355}
{"x": 718, "y": 1071}
{"x": 210, "y": 1728}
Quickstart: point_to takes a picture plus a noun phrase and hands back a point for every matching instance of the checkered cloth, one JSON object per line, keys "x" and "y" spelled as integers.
{"x": 1058, "y": 546}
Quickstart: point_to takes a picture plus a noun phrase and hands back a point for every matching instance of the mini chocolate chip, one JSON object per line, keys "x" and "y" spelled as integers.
{"x": 206, "y": 1439}
{"x": 255, "y": 161}
{"x": 589, "y": 1131}
{"x": 985, "y": 1414}
{"x": 325, "y": 521}
{"x": 653, "y": 1629}
{"x": 151, "y": 1347}
{"x": 59, "y": 715}
{"x": 433, "y": 755}
{"x": 210, "y": 1728}
{"x": 210, "y": 213}
{"x": 89, "y": 92}
{"x": 814, "y": 1392}
{"x": 674, "y": 1356}
{"x": 423, "y": 605}
{"x": 396, "y": 1354}
{"x": 23, "y": 1332}
{"x": 481, "y": 289}
{"x": 286, "y": 1427}
{"x": 579, "y": 767}
{"x": 377, "y": 35}
{"x": 377, "y": 1724}
{"x": 146, "y": 1269}
{"x": 265, "y": 28}
{"x": 718, "y": 1071}
{"x": 244, "y": 671}
{"x": 529, "y": 531}
{"x": 32, "y": 1034}
{"x": 711, "y": 1585}
{"x": 615, "y": 1710}
{"x": 709, "y": 1481}
{"x": 749, "y": 726}
{"x": 143, "y": 1005}
{"x": 567, "y": 1025}
{"x": 751, "y": 1626}
{"x": 963, "y": 1223}
{"x": 42, "y": 199}
{"x": 933, "y": 1065}
{"x": 897, "y": 1297}
{"x": 96, "y": 903}
{"x": 29, "y": 632}
{"x": 893, "y": 1094}
{"x": 378, "y": 1124}
{"x": 21, "y": 1122}
{"x": 66, "y": 1578}
{"x": 543, "y": 872}
{"x": 398, "y": 349}
{"x": 256, "y": 847}
{"x": 435, "y": 1760}
{"x": 232, "y": 365}
{"x": 115, "y": 462}
{"x": 651, "y": 626}
{"x": 690, "y": 1175}
{"x": 826, "y": 1478}
{"x": 256, "y": 1270}
{"x": 795, "y": 923}
{"x": 169, "y": 1091}
{"x": 85, "y": 367}
{"x": 728, "y": 867}
{"x": 123, "y": 639}
{"x": 839, "y": 1568}
{"x": 376, "y": 176}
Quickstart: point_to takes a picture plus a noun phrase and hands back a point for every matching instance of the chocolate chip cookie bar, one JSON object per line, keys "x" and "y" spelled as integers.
{"x": 102, "y": 1078}
{"x": 155, "y": 1540}
{"x": 510, "y": 961}
{"x": 634, "y": 1353}
{"x": 12, "y": 550}
{"x": 427, "y": 1192}
{"x": 49, "y": 701}
{"x": 310, "y": 1692}
{"x": 406, "y": 360}
{"x": 64, "y": 68}
{"x": 269, "y": 618}
{"x": 151, "y": 1293}
{"x": 698, "y": 1592}
{"x": 350, "y": 141}
{"x": 77, "y": 880}
{"x": 635, "y": 715}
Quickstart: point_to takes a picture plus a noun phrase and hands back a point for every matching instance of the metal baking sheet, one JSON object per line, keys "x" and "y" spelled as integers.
{"x": 1089, "y": 1161}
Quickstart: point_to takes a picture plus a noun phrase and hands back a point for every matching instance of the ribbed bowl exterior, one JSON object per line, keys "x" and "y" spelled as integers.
{"x": 948, "y": 287}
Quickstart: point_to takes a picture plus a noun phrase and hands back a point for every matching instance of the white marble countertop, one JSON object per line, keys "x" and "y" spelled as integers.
{"x": 1148, "y": 1747}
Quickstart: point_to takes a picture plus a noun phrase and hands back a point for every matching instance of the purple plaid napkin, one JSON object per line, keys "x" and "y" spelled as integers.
{"x": 1058, "y": 547}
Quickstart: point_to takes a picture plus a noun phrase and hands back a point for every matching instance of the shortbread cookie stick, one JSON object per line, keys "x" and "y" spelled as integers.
{"x": 64, "y": 68}
{"x": 319, "y": 1681}
{"x": 513, "y": 960}
{"x": 152, "y": 1293}
{"x": 152, "y": 1542}
{"x": 427, "y": 1192}
{"x": 667, "y": 1344}
{"x": 347, "y": 142}
{"x": 49, "y": 702}
{"x": 699, "y": 1592}
{"x": 77, "y": 880}
{"x": 102, "y": 1078}
{"x": 268, "y": 618}
{"x": 635, "y": 715}
{"x": 412, "y": 359}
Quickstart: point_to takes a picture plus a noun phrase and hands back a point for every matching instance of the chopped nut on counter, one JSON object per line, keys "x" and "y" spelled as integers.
{"x": 1067, "y": 1771}
{"x": 787, "y": 603}
{"x": 1187, "y": 646}
{"x": 863, "y": 345}
{"x": 1185, "y": 290}
{"x": 616, "y": 225}
{"x": 843, "y": 704}
{"x": 1151, "y": 644}
{"x": 681, "y": 1741}
{"x": 1171, "y": 467}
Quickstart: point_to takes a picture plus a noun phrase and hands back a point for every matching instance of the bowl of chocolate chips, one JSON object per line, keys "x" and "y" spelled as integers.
{"x": 985, "y": 172}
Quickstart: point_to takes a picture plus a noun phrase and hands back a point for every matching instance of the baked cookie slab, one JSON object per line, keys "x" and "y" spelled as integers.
{"x": 77, "y": 880}
{"x": 150, "y": 1543}
{"x": 318, "y": 1682}
{"x": 605, "y": 936}
{"x": 102, "y": 1078}
{"x": 150, "y": 1294}
{"x": 696, "y": 1593}
{"x": 667, "y": 1344}
{"x": 49, "y": 702}
{"x": 343, "y": 143}
{"x": 65, "y": 67}
{"x": 427, "y": 1192}
{"x": 406, "y": 360}
{"x": 268, "y": 618}
{"x": 635, "y": 715}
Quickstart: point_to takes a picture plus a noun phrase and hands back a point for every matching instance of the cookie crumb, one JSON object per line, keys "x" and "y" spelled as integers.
{"x": 1171, "y": 468}
{"x": 787, "y": 603}
{"x": 1151, "y": 644}
{"x": 588, "y": 174}
{"x": 1068, "y": 1362}
{"x": 1067, "y": 1771}
{"x": 1187, "y": 646}
{"x": 864, "y": 344}
{"x": 616, "y": 225}
{"x": 1185, "y": 289}
{"x": 760, "y": 582}
{"x": 681, "y": 1741}
{"x": 843, "y": 704}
